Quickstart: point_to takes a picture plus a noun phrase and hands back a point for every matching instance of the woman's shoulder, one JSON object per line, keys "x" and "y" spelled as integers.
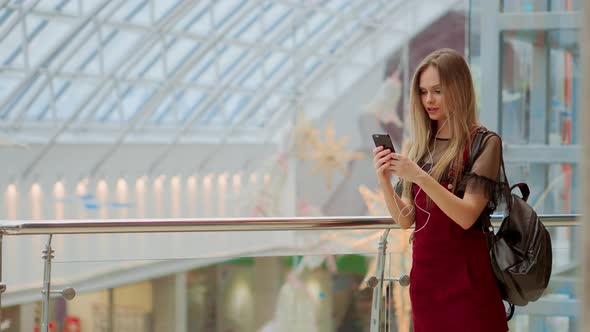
{"x": 489, "y": 141}
{"x": 479, "y": 128}
{"x": 489, "y": 136}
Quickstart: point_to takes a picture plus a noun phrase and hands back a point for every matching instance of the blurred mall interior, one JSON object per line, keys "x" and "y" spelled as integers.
{"x": 194, "y": 110}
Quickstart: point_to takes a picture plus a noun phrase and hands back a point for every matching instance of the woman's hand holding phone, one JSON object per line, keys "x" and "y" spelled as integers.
{"x": 388, "y": 162}
{"x": 381, "y": 161}
{"x": 382, "y": 155}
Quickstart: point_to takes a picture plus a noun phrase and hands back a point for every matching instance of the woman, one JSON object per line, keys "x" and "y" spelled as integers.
{"x": 452, "y": 284}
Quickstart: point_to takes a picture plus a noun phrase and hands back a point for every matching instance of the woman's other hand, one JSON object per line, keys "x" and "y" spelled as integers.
{"x": 405, "y": 168}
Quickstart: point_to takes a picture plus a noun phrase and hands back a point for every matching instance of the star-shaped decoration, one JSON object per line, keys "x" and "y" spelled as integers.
{"x": 331, "y": 155}
{"x": 305, "y": 135}
{"x": 374, "y": 200}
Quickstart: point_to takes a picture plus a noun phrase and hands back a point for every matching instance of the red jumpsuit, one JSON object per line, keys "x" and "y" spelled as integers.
{"x": 452, "y": 284}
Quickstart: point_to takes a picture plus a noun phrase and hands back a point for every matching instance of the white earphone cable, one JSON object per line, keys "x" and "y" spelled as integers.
{"x": 429, "y": 172}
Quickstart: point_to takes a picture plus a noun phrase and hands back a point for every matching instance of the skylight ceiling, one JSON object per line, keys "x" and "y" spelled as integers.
{"x": 168, "y": 69}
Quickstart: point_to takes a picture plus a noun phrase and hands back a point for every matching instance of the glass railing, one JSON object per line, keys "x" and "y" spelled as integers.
{"x": 267, "y": 274}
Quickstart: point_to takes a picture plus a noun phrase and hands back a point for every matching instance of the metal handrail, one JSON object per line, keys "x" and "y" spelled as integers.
{"x": 51, "y": 227}
{"x": 31, "y": 227}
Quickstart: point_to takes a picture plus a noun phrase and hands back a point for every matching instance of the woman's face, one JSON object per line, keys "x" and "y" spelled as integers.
{"x": 431, "y": 95}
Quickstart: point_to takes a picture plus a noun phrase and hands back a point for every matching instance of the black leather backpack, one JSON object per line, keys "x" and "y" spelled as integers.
{"x": 520, "y": 252}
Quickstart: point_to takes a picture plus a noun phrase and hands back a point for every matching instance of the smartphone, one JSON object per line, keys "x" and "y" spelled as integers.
{"x": 383, "y": 140}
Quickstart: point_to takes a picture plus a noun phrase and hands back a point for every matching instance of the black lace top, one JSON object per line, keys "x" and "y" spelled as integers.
{"x": 484, "y": 178}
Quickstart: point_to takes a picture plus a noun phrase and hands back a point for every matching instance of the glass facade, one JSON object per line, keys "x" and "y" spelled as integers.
{"x": 538, "y": 82}
{"x": 529, "y": 94}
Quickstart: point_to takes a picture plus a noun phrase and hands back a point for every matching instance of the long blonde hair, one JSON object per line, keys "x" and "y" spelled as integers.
{"x": 458, "y": 98}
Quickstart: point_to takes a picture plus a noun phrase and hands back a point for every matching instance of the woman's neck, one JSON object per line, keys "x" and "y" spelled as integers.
{"x": 444, "y": 131}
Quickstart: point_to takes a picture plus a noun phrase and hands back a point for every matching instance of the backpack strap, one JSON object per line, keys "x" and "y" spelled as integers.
{"x": 524, "y": 190}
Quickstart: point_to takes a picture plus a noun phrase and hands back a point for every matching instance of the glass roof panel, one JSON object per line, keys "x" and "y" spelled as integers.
{"x": 135, "y": 11}
{"x": 120, "y": 46}
{"x": 43, "y": 112}
{"x": 287, "y": 85}
{"x": 317, "y": 23}
{"x": 177, "y": 50}
{"x": 79, "y": 50}
{"x": 134, "y": 98}
{"x": 7, "y": 84}
{"x": 229, "y": 58}
{"x": 108, "y": 105}
{"x": 39, "y": 31}
{"x": 335, "y": 42}
{"x": 253, "y": 77}
{"x": 166, "y": 107}
{"x": 67, "y": 99}
{"x": 108, "y": 109}
{"x": 109, "y": 10}
{"x": 311, "y": 64}
{"x": 185, "y": 59}
{"x": 339, "y": 5}
{"x": 20, "y": 103}
{"x": 271, "y": 109}
{"x": 272, "y": 18}
{"x": 130, "y": 98}
{"x": 198, "y": 20}
{"x": 261, "y": 113}
{"x": 70, "y": 95}
{"x": 86, "y": 110}
{"x": 10, "y": 44}
{"x": 235, "y": 105}
{"x": 164, "y": 8}
{"x": 143, "y": 16}
{"x": 40, "y": 105}
{"x": 249, "y": 29}
{"x": 370, "y": 9}
{"x": 224, "y": 10}
{"x": 205, "y": 72}
{"x": 298, "y": 37}
{"x": 210, "y": 114}
{"x": 274, "y": 62}
{"x": 7, "y": 16}
{"x": 64, "y": 6}
{"x": 188, "y": 103}
{"x": 150, "y": 66}
{"x": 83, "y": 58}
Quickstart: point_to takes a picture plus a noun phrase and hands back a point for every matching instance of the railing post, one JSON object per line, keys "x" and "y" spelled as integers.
{"x": 47, "y": 256}
{"x": 378, "y": 290}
